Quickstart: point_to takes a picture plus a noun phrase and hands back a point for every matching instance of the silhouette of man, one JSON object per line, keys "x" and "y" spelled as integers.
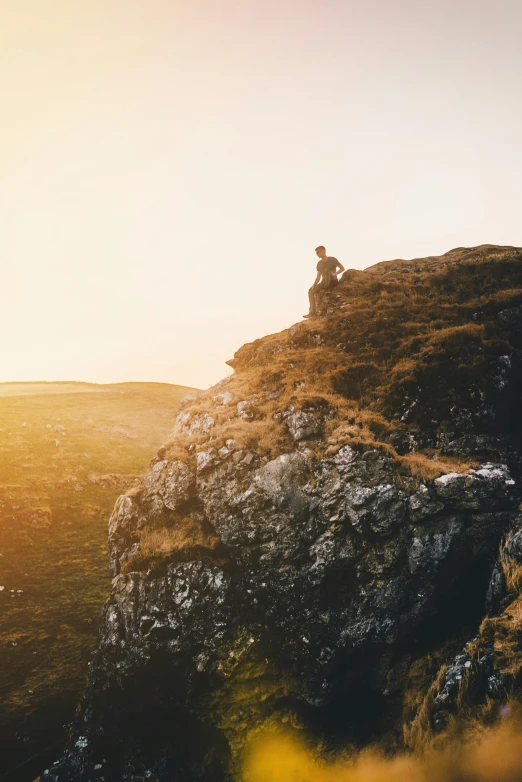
{"x": 328, "y": 268}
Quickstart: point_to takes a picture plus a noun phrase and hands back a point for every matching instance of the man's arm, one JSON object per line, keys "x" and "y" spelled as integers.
{"x": 316, "y": 281}
{"x": 340, "y": 267}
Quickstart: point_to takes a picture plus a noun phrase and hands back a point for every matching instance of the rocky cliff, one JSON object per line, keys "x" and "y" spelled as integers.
{"x": 321, "y": 533}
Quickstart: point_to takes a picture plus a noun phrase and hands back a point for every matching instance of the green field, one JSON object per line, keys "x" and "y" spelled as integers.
{"x": 67, "y": 450}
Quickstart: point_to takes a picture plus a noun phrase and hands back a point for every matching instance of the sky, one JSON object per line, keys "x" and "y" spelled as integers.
{"x": 167, "y": 167}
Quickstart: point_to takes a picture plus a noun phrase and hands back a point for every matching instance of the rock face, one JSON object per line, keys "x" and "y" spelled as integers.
{"x": 330, "y": 563}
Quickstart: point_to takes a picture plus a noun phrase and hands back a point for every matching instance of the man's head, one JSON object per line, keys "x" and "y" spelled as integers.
{"x": 320, "y": 251}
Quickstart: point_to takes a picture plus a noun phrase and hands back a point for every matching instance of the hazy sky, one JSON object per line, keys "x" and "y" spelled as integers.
{"x": 168, "y": 166}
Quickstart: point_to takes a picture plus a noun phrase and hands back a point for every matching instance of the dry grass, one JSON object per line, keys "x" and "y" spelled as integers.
{"x": 176, "y": 449}
{"x": 503, "y": 632}
{"x": 180, "y": 542}
{"x": 512, "y": 569}
{"x": 418, "y": 733}
{"x": 163, "y": 542}
{"x": 419, "y": 465}
{"x": 405, "y": 366}
{"x": 455, "y": 335}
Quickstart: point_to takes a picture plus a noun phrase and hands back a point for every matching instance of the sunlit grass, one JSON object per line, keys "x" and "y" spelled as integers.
{"x": 66, "y": 452}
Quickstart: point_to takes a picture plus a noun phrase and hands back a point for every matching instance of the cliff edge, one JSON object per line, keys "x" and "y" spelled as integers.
{"x": 320, "y": 534}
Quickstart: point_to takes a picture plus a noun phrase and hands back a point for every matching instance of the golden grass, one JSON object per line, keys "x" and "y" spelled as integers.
{"x": 418, "y": 733}
{"x": 163, "y": 542}
{"x": 504, "y": 633}
{"x": 418, "y": 465}
{"x": 179, "y": 541}
{"x": 456, "y": 334}
{"x": 404, "y": 366}
{"x": 177, "y": 449}
{"x": 512, "y": 569}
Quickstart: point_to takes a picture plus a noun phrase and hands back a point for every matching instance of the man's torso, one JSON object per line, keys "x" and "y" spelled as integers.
{"x": 327, "y": 269}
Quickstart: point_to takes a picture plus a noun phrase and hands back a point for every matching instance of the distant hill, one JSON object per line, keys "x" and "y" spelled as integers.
{"x": 67, "y": 450}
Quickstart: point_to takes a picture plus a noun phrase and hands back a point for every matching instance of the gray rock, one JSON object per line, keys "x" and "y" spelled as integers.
{"x": 124, "y": 523}
{"x": 514, "y": 546}
{"x": 242, "y": 408}
{"x": 511, "y": 317}
{"x": 225, "y": 398}
{"x": 475, "y": 491}
{"x": 404, "y": 442}
{"x": 428, "y": 549}
{"x": 182, "y": 421}
{"x": 329, "y": 551}
{"x": 441, "y": 719}
{"x": 423, "y": 504}
{"x": 302, "y": 425}
{"x": 191, "y": 424}
{"x": 496, "y": 446}
{"x": 381, "y": 508}
{"x": 282, "y": 474}
{"x": 497, "y": 591}
{"x": 496, "y": 686}
{"x": 169, "y": 484}
{"x": 206, "y": 459}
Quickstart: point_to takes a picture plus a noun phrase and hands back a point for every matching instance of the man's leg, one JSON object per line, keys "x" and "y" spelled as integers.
{"x": 313, "y": 304}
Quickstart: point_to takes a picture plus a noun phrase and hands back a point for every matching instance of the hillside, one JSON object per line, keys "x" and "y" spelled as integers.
{"x": 66, "y": 451}
{"x": 389, "y": 335}
{"x": 318, "y": 541}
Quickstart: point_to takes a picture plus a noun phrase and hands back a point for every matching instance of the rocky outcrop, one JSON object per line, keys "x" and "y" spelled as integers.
{"x": 487, "y": 673}
{"x": 331, "y": 560}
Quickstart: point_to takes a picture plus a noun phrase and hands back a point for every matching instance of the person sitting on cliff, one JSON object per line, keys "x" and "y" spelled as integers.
{"x": 328, "y": 268}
